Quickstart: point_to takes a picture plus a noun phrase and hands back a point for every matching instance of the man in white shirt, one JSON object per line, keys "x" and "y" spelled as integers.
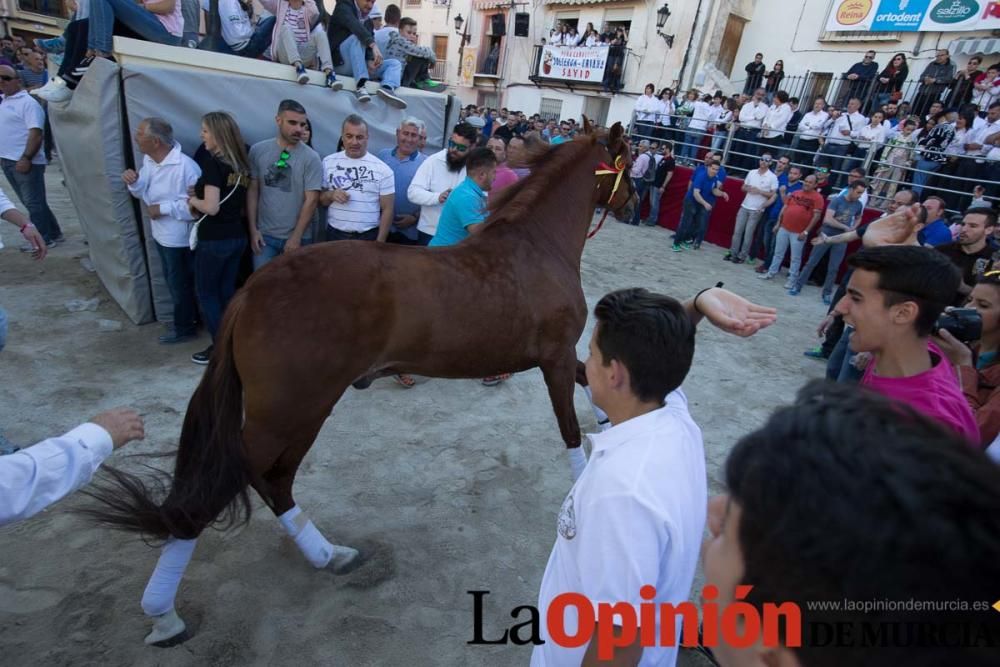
{"x": 810, "y": 131}
{"x": 760, "y": 188}
{"x": 358, "y": 188}
{"x": 436, "y": 178}
{"x": 776, "y": 120}
{"x": 751, "y": 119}
{"x": 977, "y": 147}
{"x": 22, "y": 133}
{"x": 634, "y": 518}
{"x": 34, "y": 478}
{"x": 641, "y": 177}
{"x": 838, "y": 144}
{"x": 162, "y": 185}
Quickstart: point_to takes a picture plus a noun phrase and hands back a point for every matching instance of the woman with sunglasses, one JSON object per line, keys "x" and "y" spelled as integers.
{"x": 977, "y": 366}
{"x": 889, "y": 83}
{"x": 219, "y": 199}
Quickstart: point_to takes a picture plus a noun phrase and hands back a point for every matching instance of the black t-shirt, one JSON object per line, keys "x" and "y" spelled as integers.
{"x": 666, "y": 166}
{"x": 972, "y": 265}
{"x": 228, "y": 223}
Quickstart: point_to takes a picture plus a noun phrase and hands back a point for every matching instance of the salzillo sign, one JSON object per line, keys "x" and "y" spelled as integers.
{"x": 914, "y": 15}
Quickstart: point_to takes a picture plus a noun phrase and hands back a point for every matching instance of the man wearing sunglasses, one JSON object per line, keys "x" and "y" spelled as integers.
{"x": 22, "y": 122}
{"x": 437, "y": 177}
{"x": 286, "y": 177}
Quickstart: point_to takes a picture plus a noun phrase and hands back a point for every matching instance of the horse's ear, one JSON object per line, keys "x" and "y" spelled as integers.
{"x": 615, "y": 138}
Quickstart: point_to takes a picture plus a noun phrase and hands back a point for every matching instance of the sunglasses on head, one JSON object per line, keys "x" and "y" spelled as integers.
{"x": 283, "y": 160}
{"x": 4, "y": 77}
{"x": 452, "y": 146}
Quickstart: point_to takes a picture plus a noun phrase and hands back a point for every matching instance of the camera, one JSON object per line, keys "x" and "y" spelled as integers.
{"x": 965, "y": 324}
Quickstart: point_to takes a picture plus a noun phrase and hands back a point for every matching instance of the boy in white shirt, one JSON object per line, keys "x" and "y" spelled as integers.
{"x": 635, "y": 516}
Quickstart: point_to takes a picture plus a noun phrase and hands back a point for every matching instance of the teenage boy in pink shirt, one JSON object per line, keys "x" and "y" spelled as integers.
{"x": 894, "y": 297}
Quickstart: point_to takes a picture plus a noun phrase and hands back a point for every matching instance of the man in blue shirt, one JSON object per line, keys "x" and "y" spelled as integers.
{"x": 404, "y": 160}
{"x": 705, "y": 186}
{"x": 937, "y": 232}
{"x": 464, "y": 211}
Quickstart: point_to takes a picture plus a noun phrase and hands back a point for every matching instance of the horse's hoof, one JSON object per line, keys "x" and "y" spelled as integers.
{"x": 168, "y": 630}
{"x": 346, "y": 562}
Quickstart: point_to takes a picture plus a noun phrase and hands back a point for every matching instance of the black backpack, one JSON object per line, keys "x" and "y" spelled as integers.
{"x": 649, "y": 175}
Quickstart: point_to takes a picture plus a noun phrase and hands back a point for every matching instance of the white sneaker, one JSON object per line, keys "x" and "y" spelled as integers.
{"x": 765, "y": 276}
{"x": 55, "y": 90}
{"x": 789, "y": 284}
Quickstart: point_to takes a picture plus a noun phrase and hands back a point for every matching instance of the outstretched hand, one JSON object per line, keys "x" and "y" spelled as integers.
{"x": 734, "y": 314}
{"x": 893, "y": 229}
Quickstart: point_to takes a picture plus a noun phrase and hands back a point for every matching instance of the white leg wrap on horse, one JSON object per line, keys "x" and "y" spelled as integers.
{"x": 577, "y": 461}
{"x": 603, "y": 422}
{"x": 158, "y": 599}
{"x": 317, "y": 550}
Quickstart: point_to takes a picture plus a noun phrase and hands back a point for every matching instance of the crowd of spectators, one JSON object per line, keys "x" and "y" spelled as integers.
{"x": 357, "y": 40}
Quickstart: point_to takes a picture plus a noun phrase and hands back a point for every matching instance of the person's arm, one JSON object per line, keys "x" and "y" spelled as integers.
{"x": 385, "y": 217}
{"x": 309, "y": 203}
{"x": 419, "y": 191}
{"x": 666, "y": 180}
{"x": 209, "y": 204}
{"x": 812, "y": 225}
{"x": 161, "y": 7}
{"x": 343, "y": 13}
{"x": 397, "y": 41}
{"x": 31, "y": 148}
{"x": 829, "y": 219}
{"x": 729, "y": 311}
{"x": 698, "y": 198}
{"x": 948, "y": 75}
{"x": 36, "y": 477}
{"x": 256, "y": 239}
{"x": 21, "y": 221}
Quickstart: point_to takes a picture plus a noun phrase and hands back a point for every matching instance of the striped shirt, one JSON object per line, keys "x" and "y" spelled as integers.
{"x": 365, "y": 180}
{"x": 32, "y": 79}
{"x": 295, "y": 19}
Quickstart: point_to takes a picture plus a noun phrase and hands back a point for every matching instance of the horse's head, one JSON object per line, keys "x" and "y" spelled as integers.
{"x": 614, "y": 186}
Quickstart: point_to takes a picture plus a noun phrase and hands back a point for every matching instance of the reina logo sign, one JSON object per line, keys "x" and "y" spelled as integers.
{"x": 954, "y": 11}
{"x": 853, "y": 12}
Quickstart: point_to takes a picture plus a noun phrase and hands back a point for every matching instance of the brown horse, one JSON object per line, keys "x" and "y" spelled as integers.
{"x": 507, "y": 299}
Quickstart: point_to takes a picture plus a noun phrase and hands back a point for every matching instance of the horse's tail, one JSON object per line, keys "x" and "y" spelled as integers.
{"x": 211, "y": 473}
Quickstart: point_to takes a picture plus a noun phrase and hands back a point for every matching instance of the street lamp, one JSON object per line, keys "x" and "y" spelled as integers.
{"x": 662, "y": 14}
{"x": 466, "y": 37}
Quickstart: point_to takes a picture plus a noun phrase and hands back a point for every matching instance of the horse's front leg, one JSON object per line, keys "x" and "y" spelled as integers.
{"x": 560, "y": 377}
{"x": 603, "y": 422}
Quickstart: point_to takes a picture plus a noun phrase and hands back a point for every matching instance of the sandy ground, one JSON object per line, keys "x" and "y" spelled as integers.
{"x": 457, "y": 483}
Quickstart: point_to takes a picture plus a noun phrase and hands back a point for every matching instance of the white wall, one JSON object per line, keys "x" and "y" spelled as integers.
{"x": 790, "y": 31}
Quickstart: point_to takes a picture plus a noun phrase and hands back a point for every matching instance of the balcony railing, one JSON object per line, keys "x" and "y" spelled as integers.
{"x": 602, "y": 67}
{"x": 873, "y": 94}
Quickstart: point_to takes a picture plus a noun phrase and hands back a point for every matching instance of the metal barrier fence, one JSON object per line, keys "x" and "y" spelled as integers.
{"x": 887, "y": 167}
{"x": 874, "y": 94}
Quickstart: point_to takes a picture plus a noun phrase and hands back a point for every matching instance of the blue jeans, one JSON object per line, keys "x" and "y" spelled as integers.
{"x": 3, "y": 328}
{"x": 919, "y": 178}
{"x": 258, "y": 44}
{"x": 839, "y": 367}
{"x": 690, "y": 225}
{"x": 390, "y": 72}
{"x": 136, "y": 18}
{"x": 719, "y": 140}
{"x": 216, "y": 265}
{"x": 273, "y": 246}
{"x": 692, "y": 142}
{"x": 30, "y": 189}
{"x": 654, "y": 205}
{"x": 178, "y": 271}
{"x": 640, "y": 186}
{"x": 837, "y": 252}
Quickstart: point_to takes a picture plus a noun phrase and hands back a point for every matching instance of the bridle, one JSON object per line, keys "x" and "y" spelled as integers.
{"x": 603, "y": 169}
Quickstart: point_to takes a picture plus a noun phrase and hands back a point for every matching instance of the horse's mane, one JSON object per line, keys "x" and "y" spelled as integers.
{"x": 546, "y": 169}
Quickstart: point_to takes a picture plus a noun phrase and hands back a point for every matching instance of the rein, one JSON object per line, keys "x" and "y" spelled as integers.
{"x": 604, "y": 169}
